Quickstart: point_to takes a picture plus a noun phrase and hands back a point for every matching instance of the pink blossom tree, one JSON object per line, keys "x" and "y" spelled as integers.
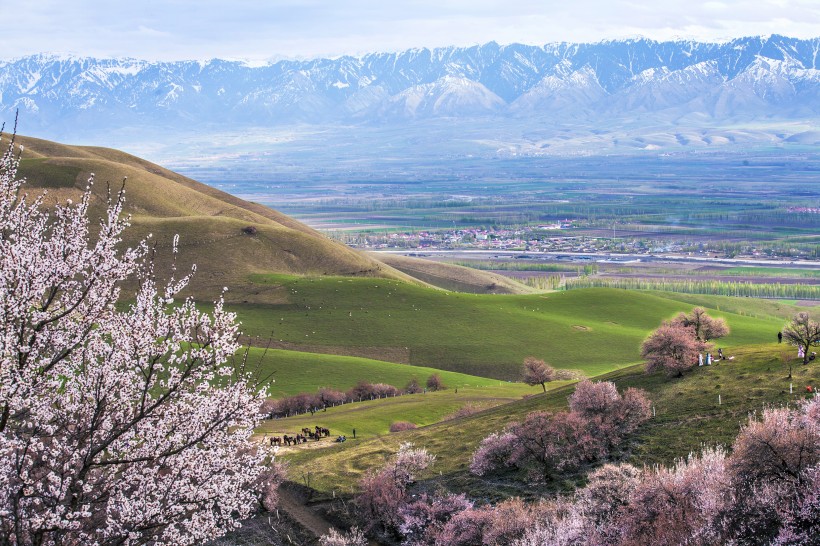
{"x": 594, "y": 398}
{"x": 434, "y": 383}
{"x": 672, "y": 347}
{"x": 384, "y": 492}
{"x": 545, "y": 444}
{"x": 683, "y": 504}
{"x": 496, "y": 525}
{"x": 779, "y": 445}
{"x": 537, "y": 372}
{"x": 117, "y": 425}
{"x": 703, "y": 326}
{"x": 605, "y": 495}
{"x": 802, "y": 520}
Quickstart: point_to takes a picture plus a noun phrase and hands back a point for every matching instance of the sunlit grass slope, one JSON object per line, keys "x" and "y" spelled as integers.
{"x": 594, "y": 330}
{"x": 226, "y": 237}
{"x": 374, "y": 417}
{"x": 298, "y": 372}
{"x": 454, "y": 277}
{"x": 688, "y": 416}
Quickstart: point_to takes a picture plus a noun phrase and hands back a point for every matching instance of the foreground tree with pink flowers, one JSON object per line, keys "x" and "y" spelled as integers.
{"x": 118, "y": 425}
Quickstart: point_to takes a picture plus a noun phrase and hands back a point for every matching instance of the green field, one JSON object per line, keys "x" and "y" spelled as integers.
{"x": 688, "y": 417}
{"x": 374, "y": 417}
{"x": 298, "y": 372}
{"x": 744, "y": 271}
{"x": 593, "y": 330}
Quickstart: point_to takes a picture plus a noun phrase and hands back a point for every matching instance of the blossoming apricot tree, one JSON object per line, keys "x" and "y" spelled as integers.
{"x": 118, "y": 425}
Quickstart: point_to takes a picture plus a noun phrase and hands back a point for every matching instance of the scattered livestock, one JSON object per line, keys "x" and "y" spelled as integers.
{"x": 317, "y": 433}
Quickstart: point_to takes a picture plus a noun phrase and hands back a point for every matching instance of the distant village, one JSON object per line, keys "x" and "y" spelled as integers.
{"x": 541, "y": 238}
{"x": 559, "y": 237}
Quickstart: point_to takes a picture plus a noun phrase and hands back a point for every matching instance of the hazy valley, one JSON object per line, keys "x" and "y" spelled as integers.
{"x": 632, "y": 227}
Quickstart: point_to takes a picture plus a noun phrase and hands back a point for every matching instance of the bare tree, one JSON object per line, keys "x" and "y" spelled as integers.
{"x": 786, "y": 359}
{"x": 803, "y": 333}
{"x": 537, "y": 372}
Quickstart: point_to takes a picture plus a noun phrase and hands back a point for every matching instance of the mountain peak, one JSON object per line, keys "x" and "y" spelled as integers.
{"x": 480, "y": 80}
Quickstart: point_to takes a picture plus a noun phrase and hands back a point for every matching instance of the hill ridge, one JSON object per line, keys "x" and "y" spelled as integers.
{"x": 230, "y": 239}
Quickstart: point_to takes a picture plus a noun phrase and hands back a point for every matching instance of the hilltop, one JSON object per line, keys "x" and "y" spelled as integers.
{"x": 228, "y": 239}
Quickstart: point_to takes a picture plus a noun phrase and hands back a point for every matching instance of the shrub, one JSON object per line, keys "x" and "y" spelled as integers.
{"x": 464, "y": 411}
{"x": 354, "y": 537}
{"x": 494, "y": 452}
{"x": 399, "y": 426}
{"x": 383, "y": 493}
{"x": 434, "y": 383}
{"x": 413, "y": 387}
{"x": 424, "y": 518}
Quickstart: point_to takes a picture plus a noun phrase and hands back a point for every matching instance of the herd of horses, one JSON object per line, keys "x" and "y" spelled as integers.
{"x": 301, "y": 438}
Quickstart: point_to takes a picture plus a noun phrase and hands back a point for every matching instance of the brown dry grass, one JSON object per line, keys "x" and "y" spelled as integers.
{"x": 209, "y": 222}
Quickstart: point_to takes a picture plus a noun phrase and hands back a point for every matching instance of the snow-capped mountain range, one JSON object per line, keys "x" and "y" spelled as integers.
{"x": 749, "y": 78}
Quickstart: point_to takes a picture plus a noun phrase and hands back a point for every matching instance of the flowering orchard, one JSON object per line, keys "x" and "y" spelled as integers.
{"x": 117, "y": 426}
{"x": 765, "y": 491}
{"x": 548, "y": 444}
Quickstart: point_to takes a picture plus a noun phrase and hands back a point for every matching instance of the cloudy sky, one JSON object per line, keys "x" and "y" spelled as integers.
{"x": 260, "y": 30}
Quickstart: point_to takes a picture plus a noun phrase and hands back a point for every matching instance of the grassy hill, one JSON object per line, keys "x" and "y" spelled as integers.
{"x": 297, "y": 372}
{"x": 688, "y": 416}
{"x": 593, "y": 330}
{"x": 228, "y": 238}
{"x": 373, "y": 418}
{"x": 454, "y": 277}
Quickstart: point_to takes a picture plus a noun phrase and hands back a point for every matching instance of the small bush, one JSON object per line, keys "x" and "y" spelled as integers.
{"x": 464, "y": 411}
{"x": 399, "y": 426}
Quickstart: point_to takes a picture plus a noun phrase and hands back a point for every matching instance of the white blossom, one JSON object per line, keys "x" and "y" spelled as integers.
{"x": 117, "y": 426}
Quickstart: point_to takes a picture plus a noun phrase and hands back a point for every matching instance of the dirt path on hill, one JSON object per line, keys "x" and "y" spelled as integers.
{"x": 307, "y": 518}
{"x": 296, "y": 507}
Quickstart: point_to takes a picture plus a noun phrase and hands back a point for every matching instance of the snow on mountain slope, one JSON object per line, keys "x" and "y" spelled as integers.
{"x": 748, "y": 77}
{"x": 449, "y": 96}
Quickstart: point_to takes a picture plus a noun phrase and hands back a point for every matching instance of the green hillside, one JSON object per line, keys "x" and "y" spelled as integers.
{"x": 688, "y": 416}
{"x": 454, "y": 277}
{"x": 594, "y": 330}
{"x": 373, "y": 418}
{"x": 298, "y": 372}
{"x": 226, "y": 237}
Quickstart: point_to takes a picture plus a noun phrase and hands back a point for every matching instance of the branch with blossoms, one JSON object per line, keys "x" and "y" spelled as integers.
{"x": 117, "y": 426}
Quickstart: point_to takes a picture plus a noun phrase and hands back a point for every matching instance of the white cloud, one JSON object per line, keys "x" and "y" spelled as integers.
{"x": 177, "y": 29}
